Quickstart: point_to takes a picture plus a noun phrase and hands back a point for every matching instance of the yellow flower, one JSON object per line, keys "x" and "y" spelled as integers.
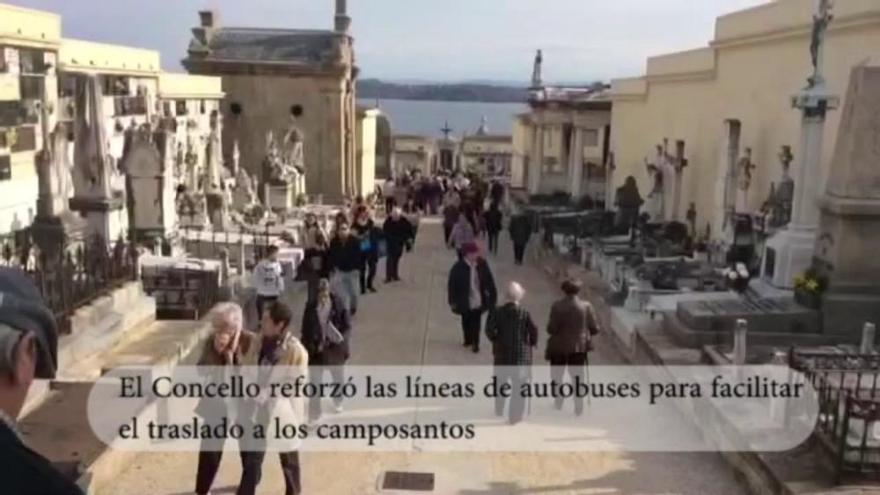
{"x": 813, "y": 285}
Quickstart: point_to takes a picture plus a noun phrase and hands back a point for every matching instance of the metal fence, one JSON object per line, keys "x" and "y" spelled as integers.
{"x": 75, "y": 274}
{"x": 849, "y": 407}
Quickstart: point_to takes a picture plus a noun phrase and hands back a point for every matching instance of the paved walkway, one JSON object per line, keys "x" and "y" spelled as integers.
{"x": 409, "y": 323}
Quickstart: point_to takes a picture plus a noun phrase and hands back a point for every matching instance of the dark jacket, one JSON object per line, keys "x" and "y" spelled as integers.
{"x": 450, "y": 215}
{"x": 345, "y": 256}
{"x": 513, "y": 335}
{"x": 397, "y": 234}
{"x": 497, "y": 192}
{"x": 571, "y": 326}
{"x": 459, "y": 286}
{"x": 494, "y": 219}
{"x": 25, "y": 472}
{"x": 324, "y": 353}
{"x": 520, "y": 229}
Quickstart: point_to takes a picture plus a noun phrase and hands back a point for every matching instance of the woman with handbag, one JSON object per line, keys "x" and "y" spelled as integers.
{"x": 572, "y": 326}
{"x": 365, "y": 230}
{"x": 326, "y": 331}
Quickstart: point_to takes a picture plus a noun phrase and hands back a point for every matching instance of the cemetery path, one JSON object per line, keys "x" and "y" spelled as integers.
{"x": 409, "y": 323}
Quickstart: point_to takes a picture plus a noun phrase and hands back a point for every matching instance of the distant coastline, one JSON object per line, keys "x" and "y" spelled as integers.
{"x": 371, "y": 89}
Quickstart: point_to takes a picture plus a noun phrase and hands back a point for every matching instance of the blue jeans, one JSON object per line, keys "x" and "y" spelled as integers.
{"x": 348, "y": 287}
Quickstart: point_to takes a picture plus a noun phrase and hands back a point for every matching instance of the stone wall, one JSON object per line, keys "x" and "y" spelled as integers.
{"x": 758, "y": 60}
{"x": 265, "y": 104}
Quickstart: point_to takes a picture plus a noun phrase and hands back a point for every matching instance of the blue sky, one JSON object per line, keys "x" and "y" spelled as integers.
{"x": 443, "y": 40}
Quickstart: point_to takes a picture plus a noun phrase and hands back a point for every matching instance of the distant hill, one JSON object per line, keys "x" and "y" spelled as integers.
{"x": 374, "y": 88}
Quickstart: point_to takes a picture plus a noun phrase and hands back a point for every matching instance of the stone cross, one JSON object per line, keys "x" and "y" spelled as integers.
{"x": 821, "y": 19}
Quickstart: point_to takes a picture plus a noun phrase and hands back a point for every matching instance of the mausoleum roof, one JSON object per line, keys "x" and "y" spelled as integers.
{"x": 289, "y": 46}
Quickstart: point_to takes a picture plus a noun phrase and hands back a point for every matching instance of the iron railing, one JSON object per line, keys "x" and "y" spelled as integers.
{"x": 75, "y": 274}
{"x": 849, "y": 407}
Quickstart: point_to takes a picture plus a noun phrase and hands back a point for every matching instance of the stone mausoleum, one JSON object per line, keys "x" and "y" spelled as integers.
{"x": 277, "y": 79}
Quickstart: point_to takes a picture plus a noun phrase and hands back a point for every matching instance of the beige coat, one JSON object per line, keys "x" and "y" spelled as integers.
{"x": 292, "y": 364}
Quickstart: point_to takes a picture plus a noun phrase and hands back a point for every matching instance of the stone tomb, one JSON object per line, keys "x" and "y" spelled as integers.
{"x": 770, "y": 321}
{"x": 849, "y": 234}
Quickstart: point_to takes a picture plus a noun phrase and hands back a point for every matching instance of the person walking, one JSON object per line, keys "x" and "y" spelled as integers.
{"x": 345, "y": 263}
{"x": 369, "y": 236}
{"x": 450, "y": 216}
{"x": 520, "y": 229}
{"x": 281, "y": 359}
{"x": 463, "y": 232}
{"x": 471, "y": 292}
{"x": 398, "y": 237}
{"x": 268, "y": 280}
{"x": 326, "y": 334}
{"x": 28, "y": 350}
{"x": 514, "y": 335}
{"x": 388, "y": 194}
{"x": 572, "y": 326}
{"x": 222, "y": 352}
{"x": 493, "y": 219}
{"x": 315, "y": 244}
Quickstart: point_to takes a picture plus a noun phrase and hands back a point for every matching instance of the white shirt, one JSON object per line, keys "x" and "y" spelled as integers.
{"x": 475, "y": 297}
{"x": 268, "y": 279}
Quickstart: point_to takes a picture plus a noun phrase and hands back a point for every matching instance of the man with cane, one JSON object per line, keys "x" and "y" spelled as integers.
{"x": 572, "y": 326}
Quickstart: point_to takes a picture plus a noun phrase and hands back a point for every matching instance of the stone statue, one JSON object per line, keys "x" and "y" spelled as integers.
{"x": 785, "y": 192}
{"x": 691, "y": 217}
{"x": 821, "y": 19}
{"x": 283, "y": 167}
{"x": 655, "y": 195}
{"x": 213, "y": 155}
{"x": 56, "y": 171}
{"x": 293, "y": 146}
{"x": 744, "y": 169}
{"x": 536, "y": 70}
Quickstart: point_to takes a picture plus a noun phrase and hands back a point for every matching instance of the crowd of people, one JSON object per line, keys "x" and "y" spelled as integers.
{"x": 338, "y": 268}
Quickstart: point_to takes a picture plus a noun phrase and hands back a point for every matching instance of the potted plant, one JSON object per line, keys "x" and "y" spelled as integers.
{"x": 808, "y": 289}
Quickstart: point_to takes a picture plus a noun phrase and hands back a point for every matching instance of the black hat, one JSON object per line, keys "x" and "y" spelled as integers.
{"x": 22, "y": 308}
{"x": 571, "y": 287}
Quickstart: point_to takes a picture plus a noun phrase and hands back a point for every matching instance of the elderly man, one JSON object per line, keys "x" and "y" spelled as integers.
{"x": 28, "y": 346}
{"x": 572, "y": 325}
{"x": 513, "y": 335}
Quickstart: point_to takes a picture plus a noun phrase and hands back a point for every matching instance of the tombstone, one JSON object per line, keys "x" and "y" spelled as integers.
{"x": 95, "y": 176}
{"x": 726, "y": 185}
{"x": 849, "y": 228}
{"x": 150, "y": 164}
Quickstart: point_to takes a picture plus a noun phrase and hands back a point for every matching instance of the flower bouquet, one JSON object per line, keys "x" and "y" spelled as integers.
{"x": 737, "y": 277}
{"x": 808, "y": 289}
